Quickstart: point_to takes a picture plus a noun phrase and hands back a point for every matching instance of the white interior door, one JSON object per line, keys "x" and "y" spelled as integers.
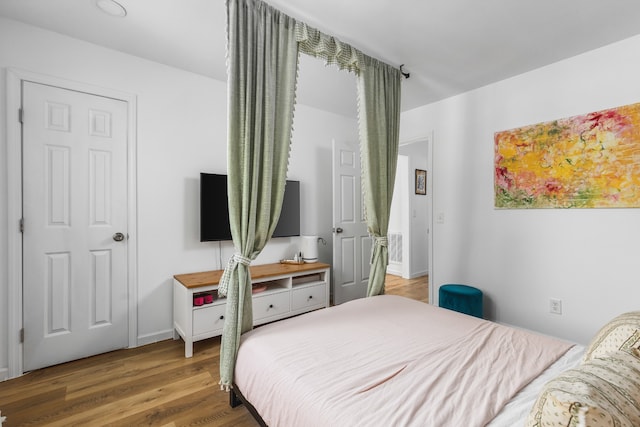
{"x": 351, "y": 241}
{"x": 75, "y": 300}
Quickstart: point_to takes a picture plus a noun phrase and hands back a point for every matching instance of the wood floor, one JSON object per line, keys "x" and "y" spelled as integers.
{"x": 417, "y": 288}
{"x": 152, "y": 385}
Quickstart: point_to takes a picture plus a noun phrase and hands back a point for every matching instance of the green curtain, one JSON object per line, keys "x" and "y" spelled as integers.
{"x": 379, "y": 99}
{"x": 333, "y": 51}
{"x": 379, "y": 118}
{"x": 262, "y": 67}
{"x": 262, "y": 53}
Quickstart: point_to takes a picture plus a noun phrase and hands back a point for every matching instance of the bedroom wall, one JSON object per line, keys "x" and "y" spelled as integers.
{"x": 181, "y": 132}
{"x": 588, "y": 258}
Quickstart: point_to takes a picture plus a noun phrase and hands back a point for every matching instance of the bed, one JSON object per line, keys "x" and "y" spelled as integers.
{"x": 393, "y": 361}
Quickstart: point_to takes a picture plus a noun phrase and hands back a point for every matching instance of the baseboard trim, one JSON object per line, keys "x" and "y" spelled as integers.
{"x": 155, "y": 337}
{"x": 4, "y": 374}
{"x": 419, "y": 274}
{"x": 394, "y": 271}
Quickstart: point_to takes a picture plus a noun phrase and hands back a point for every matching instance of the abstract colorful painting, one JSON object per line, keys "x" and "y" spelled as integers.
{"x": 588, "y": 161}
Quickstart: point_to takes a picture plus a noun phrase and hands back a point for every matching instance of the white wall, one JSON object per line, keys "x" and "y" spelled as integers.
{"x": 181, "y": 132}
{"x": 520, "y": 258}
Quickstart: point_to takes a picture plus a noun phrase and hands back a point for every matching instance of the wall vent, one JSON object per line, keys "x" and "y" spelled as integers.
{"x": 395, "y": 247}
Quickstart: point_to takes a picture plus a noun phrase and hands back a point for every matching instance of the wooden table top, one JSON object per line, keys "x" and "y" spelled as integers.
{"x": 208, "y": 278}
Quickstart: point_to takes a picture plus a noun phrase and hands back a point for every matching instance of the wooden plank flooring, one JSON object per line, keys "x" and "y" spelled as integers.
{"x": 416, "y": 288}
{"x": 152, "y": 385}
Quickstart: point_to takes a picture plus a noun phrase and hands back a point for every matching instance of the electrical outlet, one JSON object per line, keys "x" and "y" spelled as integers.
{"x": 555, "y": 306}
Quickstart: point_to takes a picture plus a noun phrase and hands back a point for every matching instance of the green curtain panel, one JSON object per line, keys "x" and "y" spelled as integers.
{"x": 263, "y": 49}
{"x": 379, "y": 98}
{"x": 379, "y": 120}
{"x": 262, "y": 67}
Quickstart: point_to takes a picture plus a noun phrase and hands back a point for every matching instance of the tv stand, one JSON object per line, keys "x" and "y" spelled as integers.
{"x": 283, "y": 290}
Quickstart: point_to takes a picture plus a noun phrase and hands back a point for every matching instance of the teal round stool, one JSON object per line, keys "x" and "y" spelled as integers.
{"x": 461, "y": 298}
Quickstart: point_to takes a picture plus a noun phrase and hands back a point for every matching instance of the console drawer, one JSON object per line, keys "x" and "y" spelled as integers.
{"x": 270, "y": 305}
{"x": 208, "y": 319}
{"x": 310, "y": 296}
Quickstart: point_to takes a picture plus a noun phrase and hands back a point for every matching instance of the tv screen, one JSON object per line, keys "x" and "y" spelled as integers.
{"x": 214, "y": 209}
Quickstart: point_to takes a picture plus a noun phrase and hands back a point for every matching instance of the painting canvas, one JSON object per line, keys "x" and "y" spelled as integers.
{"x": 421, "y": 181}
{"x": 587, "y": 161}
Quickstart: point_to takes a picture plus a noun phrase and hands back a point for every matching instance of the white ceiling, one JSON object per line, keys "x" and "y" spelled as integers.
{"x": 448, "y": 46}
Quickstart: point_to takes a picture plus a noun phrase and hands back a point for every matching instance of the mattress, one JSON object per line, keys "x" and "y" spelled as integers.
{"x": 389, "y": 360}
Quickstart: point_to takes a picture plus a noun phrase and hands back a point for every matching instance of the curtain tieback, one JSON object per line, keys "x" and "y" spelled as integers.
{"x": 236, "y": 259}
{"x": 377, "y": 242}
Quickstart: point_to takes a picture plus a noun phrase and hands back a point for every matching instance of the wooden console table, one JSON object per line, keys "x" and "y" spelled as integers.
{"x": 280, "y": 291}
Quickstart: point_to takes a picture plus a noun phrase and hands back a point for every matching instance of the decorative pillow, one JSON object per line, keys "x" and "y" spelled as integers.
{"x": 603, "y": 392}
{"x": 621, "y": 333}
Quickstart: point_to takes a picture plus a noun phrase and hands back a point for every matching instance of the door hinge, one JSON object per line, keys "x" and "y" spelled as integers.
{"x": 21, "y": 225}
{"x": 22, "y": 335}
{"x": 20, "y": 115}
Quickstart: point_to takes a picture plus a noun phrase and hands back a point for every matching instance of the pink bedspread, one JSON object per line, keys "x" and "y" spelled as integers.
{"x": 387, "y": 361}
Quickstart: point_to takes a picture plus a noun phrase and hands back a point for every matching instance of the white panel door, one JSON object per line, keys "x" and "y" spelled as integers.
{"x": 75, "y": 300}
{"x": 351, "y": 241}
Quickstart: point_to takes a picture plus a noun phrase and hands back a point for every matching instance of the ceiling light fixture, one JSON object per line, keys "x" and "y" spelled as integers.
{"x": 112, "y": 8}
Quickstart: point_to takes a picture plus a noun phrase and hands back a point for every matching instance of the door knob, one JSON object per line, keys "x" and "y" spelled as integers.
{"x": 118, "y": 237}
{"x": 338, "y": 230}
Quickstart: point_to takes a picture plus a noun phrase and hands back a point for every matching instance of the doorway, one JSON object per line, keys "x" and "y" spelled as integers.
{"x": 94, "y": 286}
{"x": 351, "y": 241}
{"x": 410, "y": 222}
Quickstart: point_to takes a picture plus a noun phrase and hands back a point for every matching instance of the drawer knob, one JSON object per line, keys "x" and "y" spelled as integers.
{"x": 222, "y": 317}
{"x": 270, "y": 305}
{"x": 310, "y": 297}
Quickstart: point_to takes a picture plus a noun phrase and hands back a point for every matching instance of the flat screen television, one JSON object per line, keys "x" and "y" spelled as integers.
{"x": 214, "y": 209}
